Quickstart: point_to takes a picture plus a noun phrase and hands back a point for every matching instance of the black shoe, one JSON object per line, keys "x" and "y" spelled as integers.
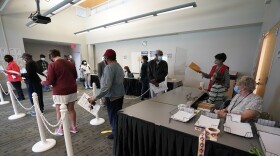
{"x": 111, "y": 136}
{"x": 20, "y": 99}
{"x": 142, "y": 99}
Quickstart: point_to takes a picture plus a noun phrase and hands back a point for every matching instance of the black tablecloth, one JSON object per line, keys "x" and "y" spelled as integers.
{"x": 132, "y": 87}
{"x": 135, "y": 137}
{"x": 95, "y": 79}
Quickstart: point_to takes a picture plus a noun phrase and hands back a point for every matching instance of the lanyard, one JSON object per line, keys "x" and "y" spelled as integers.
{"x": 234, "y": 105}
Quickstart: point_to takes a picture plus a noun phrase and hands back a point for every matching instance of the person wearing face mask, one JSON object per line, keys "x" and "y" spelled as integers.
{"x": 43, "y": 68}
{"x": 32, "y": 80}
{"x": 112, "y": 88}
{"x": 62, "y": 76}
{"x": 144, "y": 77}
{"x": 127, "y": 72}
{"x": 158, "y": 70}
{"x": 15, "y": 79}
{"x": 219, "y": 68}
{"x": 245, "y": 102}
{"x": 85, "y": 73}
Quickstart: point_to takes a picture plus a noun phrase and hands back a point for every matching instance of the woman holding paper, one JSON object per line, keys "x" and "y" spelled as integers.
{"x": 246, "y": 104}
{"x": 218, "y": 68}
{"x": 13, "y": 75}
{"x": 32, "y": 80}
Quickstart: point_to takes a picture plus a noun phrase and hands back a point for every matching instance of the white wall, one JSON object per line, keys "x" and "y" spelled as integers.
{"x": 61, "y": 29}
{"x": 239, "y": 43}
{"x": 272, "y": 91}
{"x": 209, "y": 14}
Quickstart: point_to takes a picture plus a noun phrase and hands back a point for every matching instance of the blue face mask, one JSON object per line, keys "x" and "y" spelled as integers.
{"x": 159, "y": 58}
{"x": 236, "y": 89}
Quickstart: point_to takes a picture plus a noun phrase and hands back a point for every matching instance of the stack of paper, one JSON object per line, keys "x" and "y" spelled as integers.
{"x": 270, "y": 143}
{"x": 207, "y": 122}
{"x": 182, "y": 116}
{"x": 273, "y": 130}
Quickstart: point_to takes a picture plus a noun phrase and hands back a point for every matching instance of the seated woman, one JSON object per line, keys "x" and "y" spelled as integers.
{"x": 245, "y": 103}
{"x": 127, "y": 72}
{"x": 217, "y": 91}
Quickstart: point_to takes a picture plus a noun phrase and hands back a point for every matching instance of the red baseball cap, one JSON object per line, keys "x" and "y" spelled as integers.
{"x": 110, "y": 53}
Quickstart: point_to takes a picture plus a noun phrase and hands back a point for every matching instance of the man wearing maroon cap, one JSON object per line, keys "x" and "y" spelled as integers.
{"x": 111, "y": 88}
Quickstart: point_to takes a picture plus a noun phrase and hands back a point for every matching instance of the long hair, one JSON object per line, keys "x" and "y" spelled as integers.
{"x": 127, "y": 68}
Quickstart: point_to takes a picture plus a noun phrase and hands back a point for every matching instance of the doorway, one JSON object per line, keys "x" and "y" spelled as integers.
{"x": 267, "y": 50}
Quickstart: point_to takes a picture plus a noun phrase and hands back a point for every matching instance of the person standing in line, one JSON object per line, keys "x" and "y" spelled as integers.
{"x": 43, "y": 68}
{"x": 158, "y": 70}
{"x": 15, "y": 79}
{"x": 62, "y": 76}
{"x": 112, "y": 88}
{"x": 144, "y": 77}
{"x": 32, "y": 81}
{"x": 85, "y": 72}
{"x": 101, "y": 65}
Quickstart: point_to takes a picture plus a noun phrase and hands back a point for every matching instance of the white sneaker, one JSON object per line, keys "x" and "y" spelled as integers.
{"x": 86, "y": 88}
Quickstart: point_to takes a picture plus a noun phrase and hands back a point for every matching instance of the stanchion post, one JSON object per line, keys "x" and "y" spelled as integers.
{"x": 2, "y": 101}
{"x": 93, "y": 90}
{"x": 16, "y": 115}
{"x": 66, "y": 129}
{"x": 44, "y": 144}
{"x": 97, "y": 120}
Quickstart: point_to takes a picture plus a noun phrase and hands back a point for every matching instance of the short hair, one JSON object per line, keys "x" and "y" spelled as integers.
{"x": 159, "y": 51}
{"x": 83, "y": 61}
{"x": 8, "y": 58}
{"x": 247, "y": 82}
{"x": 54, "y": 53}
{"x": 145, "y": 57}
{"x": 27, "y": 56}
{"x": 222, "y": 57}
{"x": 42, "y": 56}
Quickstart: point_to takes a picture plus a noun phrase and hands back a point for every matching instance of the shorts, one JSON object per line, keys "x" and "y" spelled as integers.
{"x": 65, "y": 99}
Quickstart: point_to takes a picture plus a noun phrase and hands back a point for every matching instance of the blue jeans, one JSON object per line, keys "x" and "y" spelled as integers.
{"x": 112, "y": 108}
{"x": 37, "y": 88}
{"x": 46, "y": 88}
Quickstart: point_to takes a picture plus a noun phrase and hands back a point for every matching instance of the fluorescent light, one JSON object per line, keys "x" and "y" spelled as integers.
{"x": 62, "y": 8}
{"x": 50, "y": 15}
{"x": 32, "y": 25}
{"x": 77, "y": 2}
{"x": 162, "y": 13}
{"x": 95, "y": 29}
{"x": 114, "y": 24}
{"x": 81, "y": 33}
{"x": 136, "y": 19}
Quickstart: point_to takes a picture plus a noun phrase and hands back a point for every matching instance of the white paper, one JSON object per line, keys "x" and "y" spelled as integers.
{"x": 273, "y": 130}
{"x": 43, "y": 78}
{"x": 83, "y": 102}
{"x": 161, "y": 88}
{"x": 45, "y": 72}
{"x": 182, "y": 116}
{"x": 238, "y": 128}
{"x": 270, "y": 142}
{"x": 233, "y": 117}
{"x": 1, "y": 68}
{"x": 207, "y": 122}
{"x": 23, "y": 70}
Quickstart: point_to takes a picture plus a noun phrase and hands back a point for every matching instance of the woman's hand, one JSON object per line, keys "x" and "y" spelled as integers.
{"x": 92, "y": 101}
{"x": 221, "y": 113}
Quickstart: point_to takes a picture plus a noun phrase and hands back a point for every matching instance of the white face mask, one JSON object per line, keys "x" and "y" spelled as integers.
{"x": 85, "y": 63}
{"x": 43, "y": 59}
{"x": 70, "y": 56}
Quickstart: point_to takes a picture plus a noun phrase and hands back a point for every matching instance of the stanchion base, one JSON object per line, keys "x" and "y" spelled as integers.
{"x": 96, "y": 121}
{"x": 4, "y": 102}
{"x": 54, "y": 105}
{"x": 43, "y": 146}
{"x": 16, "y": 116}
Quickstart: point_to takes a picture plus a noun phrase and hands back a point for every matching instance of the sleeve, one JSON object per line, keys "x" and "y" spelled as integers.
{"x": 51, "y": 76}
{"x": 205, "y": 75}
{"x": 14, "y": 67}
{"x": 75, "y": 72}
{"x": 150, "y": 71}
{"x": 227, "y": 78}
{"x": 255, "y": 104}
{"x": 107, "y": 82}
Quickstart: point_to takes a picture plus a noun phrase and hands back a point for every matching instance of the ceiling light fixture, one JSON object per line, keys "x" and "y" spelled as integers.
{"x": 143, "y": 16}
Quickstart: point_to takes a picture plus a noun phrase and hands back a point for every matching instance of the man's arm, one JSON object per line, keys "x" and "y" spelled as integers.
{"x": 107, "y": 80}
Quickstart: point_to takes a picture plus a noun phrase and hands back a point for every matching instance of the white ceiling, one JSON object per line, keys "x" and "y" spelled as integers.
{"x": 27, "y": 6}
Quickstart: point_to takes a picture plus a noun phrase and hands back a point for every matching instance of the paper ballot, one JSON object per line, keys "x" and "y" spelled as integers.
{"x": 83, "y": 102}
{"x": 43, "y": 78}
{"x": 207, "y": 122}
{"x": 162, "y": 87}
{"x": 23, "y": 70}
{"x": 45, "y": 72}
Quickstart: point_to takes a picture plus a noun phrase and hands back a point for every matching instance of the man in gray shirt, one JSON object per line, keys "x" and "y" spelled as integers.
{"x": 112, "y": 88}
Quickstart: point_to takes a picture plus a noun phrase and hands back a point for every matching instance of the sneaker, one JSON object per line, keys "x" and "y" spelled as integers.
{"x": 111, "y": 136}
{"x": 90, "y": 87}
{"x": 59, "y": 131}
{"x": 74, "y": 130}
{"x": 32, "y": 113}
{"x": 86, "y": 87}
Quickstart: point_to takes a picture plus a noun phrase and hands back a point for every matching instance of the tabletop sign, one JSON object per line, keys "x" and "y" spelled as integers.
{"x": 83, "y": 102}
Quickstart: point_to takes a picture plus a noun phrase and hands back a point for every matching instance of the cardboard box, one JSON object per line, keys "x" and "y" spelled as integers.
{"x": 207, "y": 107}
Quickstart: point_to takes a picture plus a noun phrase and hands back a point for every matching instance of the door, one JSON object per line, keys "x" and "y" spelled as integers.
{"x": 265, "y": 60}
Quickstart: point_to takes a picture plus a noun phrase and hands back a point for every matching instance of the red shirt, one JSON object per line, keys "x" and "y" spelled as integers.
{"x": 12, "y": 77}
{"x": 62, "y": 76}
